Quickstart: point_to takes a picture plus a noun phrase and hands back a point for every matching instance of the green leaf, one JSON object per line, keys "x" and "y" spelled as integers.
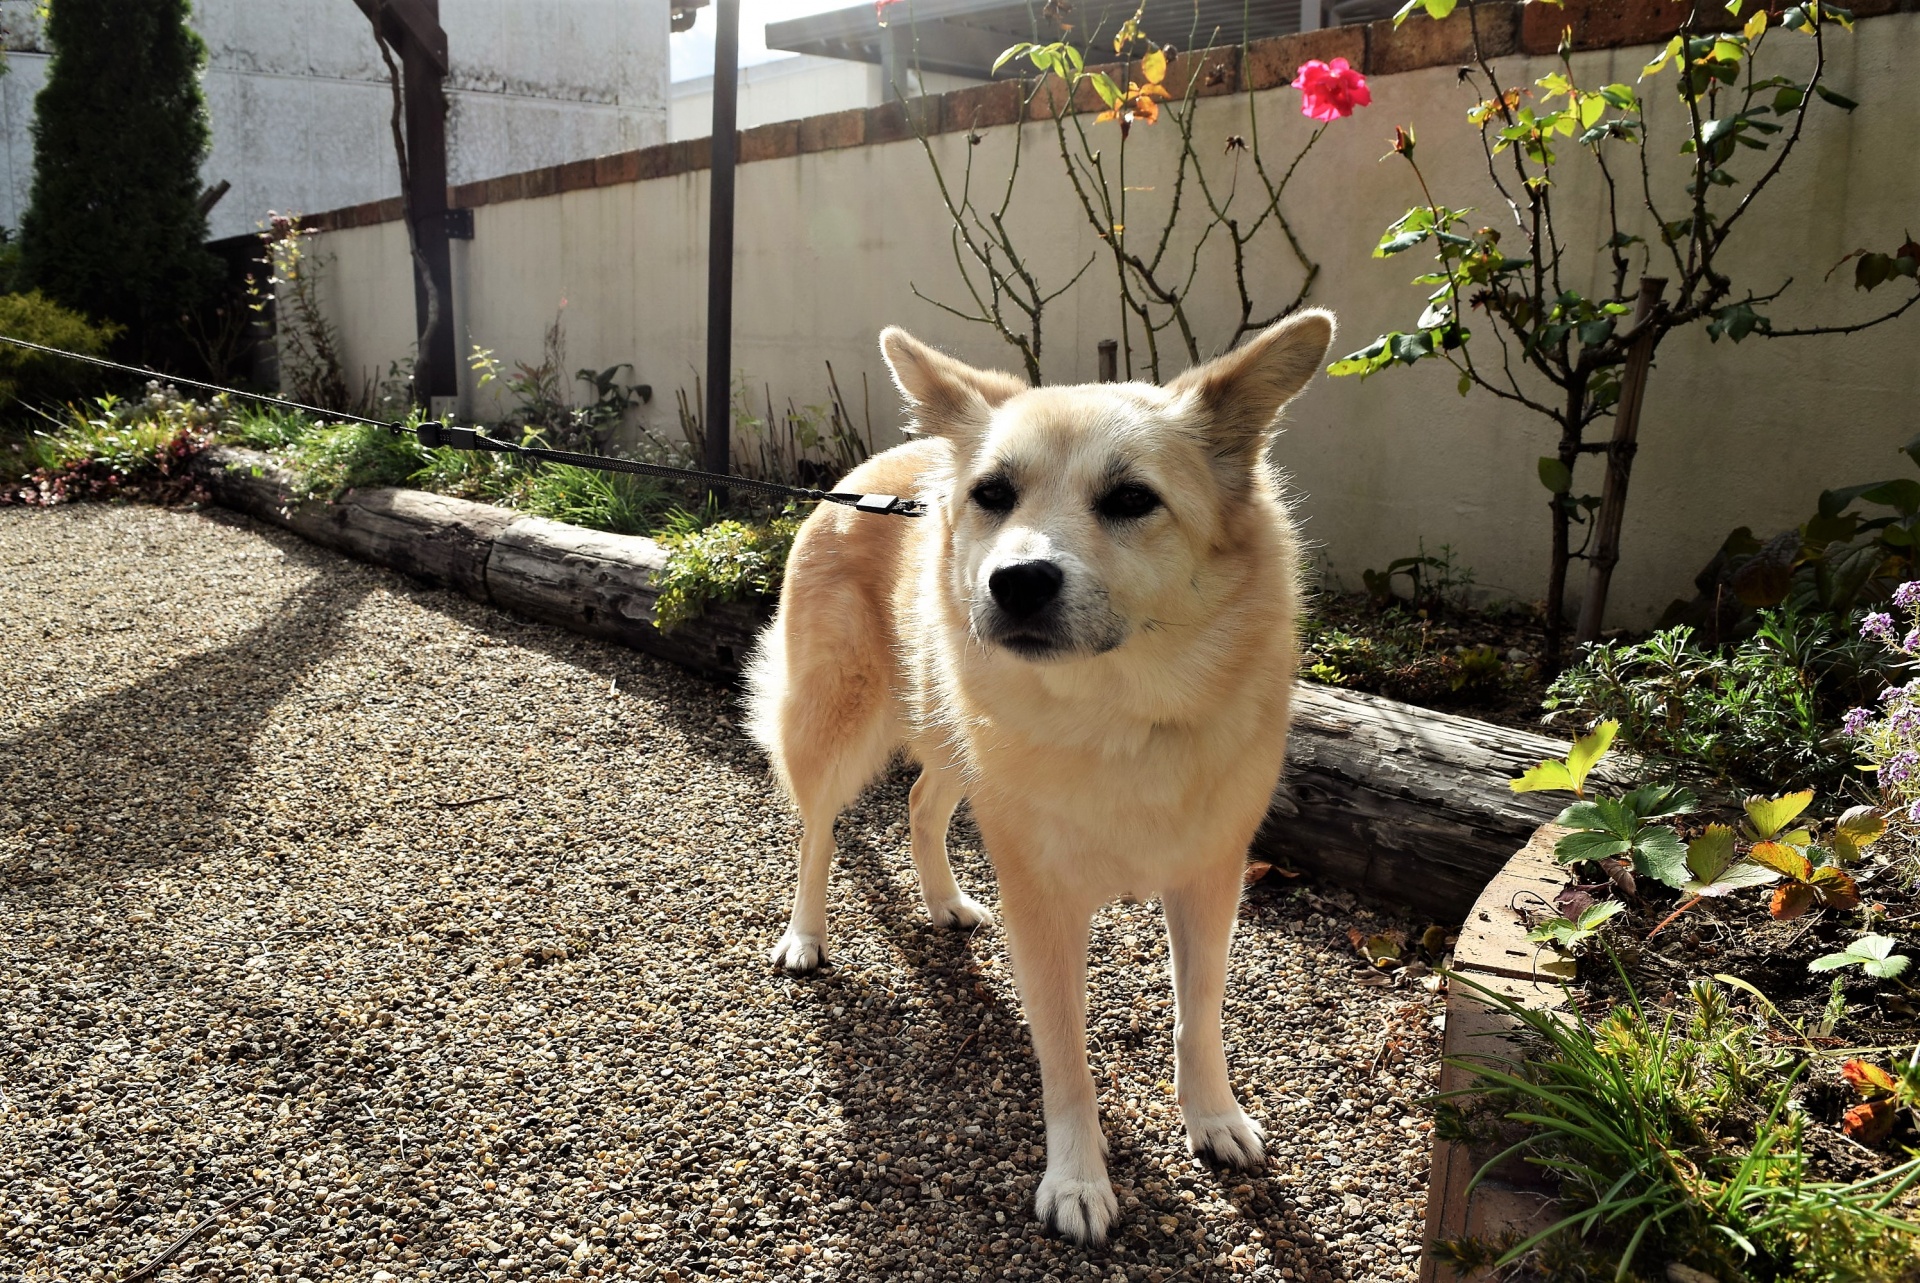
{"x": 1872, "y": 953}
{"x": 1554, "y": 475}
{"x": 1674, "y": 46}
{"x": 1011, "y": 52}
{"x": 1839, "y": 100}
{"x": 1767, "y": 816}
{"x": 1710, "y": 854}
{"x": 1657, "y": 801}
{"x": 1657, "y": 852}
{"x": 1587, "y": 845}
{"x": 1104, "y": 86}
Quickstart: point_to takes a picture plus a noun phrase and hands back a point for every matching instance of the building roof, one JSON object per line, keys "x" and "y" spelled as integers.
{"x": 964, "y": 37}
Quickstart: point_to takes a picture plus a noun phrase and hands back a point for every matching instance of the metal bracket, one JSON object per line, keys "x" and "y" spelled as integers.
{"x": 459, "y": 224}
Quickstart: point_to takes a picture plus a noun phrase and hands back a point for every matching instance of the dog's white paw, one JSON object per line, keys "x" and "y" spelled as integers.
{"x": 1077, "y": 1208}
{"x": 798, "y": 954}
{"x": 963, "y": 911}
{"x": 1227, "y": 1140}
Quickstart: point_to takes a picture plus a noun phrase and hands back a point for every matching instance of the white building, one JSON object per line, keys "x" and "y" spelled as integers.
{"x": 300, "y": 107}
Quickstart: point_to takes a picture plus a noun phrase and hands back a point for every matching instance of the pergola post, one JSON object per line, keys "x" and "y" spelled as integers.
{"x": 725, "y": 140}
{"x": 412, "y": 27}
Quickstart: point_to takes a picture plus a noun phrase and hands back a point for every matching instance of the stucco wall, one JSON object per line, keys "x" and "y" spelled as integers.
{"x": 832, "y": 244}
{"x": 300, "y": 106}
{"x": 789, "y": 88}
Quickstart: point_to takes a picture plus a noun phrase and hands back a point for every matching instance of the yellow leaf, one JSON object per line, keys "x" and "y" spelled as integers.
{"x": 1152, "y": 90}
{"x": 1154, "y": 67}
{"x": 1756, "y": 24}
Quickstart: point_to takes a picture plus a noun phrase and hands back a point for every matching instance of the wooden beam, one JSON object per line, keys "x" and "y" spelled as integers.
{"x": 411, "y": 22}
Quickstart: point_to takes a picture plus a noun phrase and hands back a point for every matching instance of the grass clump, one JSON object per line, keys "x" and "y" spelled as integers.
{"x": 621, "y": 502}
{"x": 335, "y": 458}
{"x": 714, "y": 561}
{"x": 1675, "y": 1141}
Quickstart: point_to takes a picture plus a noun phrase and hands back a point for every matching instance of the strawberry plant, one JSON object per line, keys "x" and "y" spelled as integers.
{"x": 1873, "y": 954}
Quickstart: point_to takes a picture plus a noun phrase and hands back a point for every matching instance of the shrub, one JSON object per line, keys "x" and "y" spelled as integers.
{"x": 30, "y": 376}
{"x": 721, "y": 561}
{"x": 114, "y": 226}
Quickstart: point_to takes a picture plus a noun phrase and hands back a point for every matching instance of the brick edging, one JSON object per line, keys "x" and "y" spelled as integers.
{"x": 1493, "y": 951}
{"x": 1379, "y": 49}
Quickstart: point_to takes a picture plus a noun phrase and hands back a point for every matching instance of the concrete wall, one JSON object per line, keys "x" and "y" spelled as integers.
{"x": 833, "y": 244}
{"x": 300, "y": 107}
{"x": 789, "y": 88}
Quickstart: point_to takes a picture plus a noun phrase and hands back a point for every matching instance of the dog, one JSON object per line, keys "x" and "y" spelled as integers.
{"x": 1089, "y": 637}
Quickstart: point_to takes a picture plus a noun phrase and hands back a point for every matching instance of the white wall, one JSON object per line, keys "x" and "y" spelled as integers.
{"x": 300, "y": 107}
{"x": 831, "y": 246}
{"x": 790, "y": 88}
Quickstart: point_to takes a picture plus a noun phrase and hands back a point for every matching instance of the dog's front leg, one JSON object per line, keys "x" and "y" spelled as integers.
{"x": 1047, "y": 932}
{"x": 1200, "y": 926}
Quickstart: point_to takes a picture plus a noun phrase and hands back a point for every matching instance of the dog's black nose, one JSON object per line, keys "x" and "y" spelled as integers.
{"x": 1024, "y": 588}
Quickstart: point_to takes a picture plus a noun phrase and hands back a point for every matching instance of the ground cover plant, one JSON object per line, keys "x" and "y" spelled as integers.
{"x": 1731, "y": 1092}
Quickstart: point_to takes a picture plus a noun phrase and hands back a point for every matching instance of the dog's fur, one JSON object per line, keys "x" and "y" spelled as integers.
{"x": 1123, "y": 737}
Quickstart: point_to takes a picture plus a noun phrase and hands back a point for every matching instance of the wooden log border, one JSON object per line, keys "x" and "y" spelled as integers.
{"x": 1403, "y": 803}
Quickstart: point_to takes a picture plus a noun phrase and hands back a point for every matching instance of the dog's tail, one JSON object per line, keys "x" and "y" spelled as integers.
{"x": 766, "y": 686}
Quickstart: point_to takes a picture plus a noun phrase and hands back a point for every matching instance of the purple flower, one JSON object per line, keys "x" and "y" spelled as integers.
{"x": 1911, "y": 642}
{"x": 1907, "y": 595}
{"x": 1878, "y": 625}
{"x": 1913, "y": 813}
{"x": 1856, "y": 720}
{"x": 1899, "y": 768}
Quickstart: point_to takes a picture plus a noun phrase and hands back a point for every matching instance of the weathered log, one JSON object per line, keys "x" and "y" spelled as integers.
{"x": 1402, "y": 802}
{"x": 603, "y": 585}
{"x": 447, "y": 542}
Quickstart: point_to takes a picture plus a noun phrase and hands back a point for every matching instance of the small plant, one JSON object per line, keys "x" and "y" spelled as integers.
{"x": 543, "y": 408}
{"x": 720, "y": 561}
{"x": 621, "y": 502}
{"x": 1873, "y": 954}
{"x": 1570, "y": 933}
{"x": 1883, "y": 1094}
{"x": 311, "y": 371}
{"x": 1435, "y": 584}
{"x": 1888, "y": 738}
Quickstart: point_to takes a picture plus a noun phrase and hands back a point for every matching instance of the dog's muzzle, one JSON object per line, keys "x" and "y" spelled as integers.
{"x": 1026, "y": 615}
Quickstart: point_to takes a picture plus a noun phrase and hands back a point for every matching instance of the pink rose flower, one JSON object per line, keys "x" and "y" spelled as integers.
{"x": 1330, "y": 90}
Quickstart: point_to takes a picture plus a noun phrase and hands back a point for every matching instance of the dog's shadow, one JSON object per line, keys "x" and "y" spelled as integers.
{"x": 938, "y": 1095}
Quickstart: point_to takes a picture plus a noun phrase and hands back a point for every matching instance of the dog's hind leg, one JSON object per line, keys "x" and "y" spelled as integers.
{"x": 930, "y": 810}
{"x": 1200, "y": 918}
{"x": 825, "y": 771}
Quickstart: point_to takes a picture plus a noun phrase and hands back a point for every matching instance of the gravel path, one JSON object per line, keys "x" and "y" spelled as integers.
{"x": 445, "y": 932}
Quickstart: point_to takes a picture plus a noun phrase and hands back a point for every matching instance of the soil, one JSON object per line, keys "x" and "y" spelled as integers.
{"x": 1420, "y": 654}
{"x": 1735, "y": 935}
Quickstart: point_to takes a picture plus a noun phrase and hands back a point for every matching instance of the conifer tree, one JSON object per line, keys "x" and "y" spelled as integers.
{"x": 113, "y": 228}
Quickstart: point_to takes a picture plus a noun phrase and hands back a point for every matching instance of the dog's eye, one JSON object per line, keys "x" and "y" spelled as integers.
{"x": 1128, "y": 502}
{"x": 995, "y": 495}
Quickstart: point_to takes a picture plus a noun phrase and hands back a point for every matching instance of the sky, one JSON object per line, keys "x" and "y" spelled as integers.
{"x": 692, "y": 51}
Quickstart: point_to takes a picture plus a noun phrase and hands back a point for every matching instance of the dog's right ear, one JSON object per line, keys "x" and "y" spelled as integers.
{"x": 949, "y": 398}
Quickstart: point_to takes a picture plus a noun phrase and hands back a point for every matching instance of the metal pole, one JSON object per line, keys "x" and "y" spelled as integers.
{"x": 726, "y": 73}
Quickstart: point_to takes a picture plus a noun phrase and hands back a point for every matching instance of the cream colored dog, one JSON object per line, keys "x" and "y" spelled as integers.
{"x": 1090, "y": 637}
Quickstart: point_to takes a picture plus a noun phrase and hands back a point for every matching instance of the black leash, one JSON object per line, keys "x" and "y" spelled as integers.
{"x": 434, "y": 435}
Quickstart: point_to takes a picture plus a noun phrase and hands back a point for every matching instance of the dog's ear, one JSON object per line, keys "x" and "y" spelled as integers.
{"x": 949, "y": 398}
{"x": 1239, "y": 394}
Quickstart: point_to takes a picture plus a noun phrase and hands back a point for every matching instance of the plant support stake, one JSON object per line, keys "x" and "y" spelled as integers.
{"x": 1620, "y": 452}
{"x": 726, "y": 74}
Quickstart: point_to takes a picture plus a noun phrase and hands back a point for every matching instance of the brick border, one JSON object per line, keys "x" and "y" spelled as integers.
{"x": 1493, "y": 950}
{"x": 1378, "y": 48}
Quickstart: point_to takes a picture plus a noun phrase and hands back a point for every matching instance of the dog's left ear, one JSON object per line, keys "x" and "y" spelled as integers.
{"x": 1240, "y": 393}
{"x": 949, "y": 398}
